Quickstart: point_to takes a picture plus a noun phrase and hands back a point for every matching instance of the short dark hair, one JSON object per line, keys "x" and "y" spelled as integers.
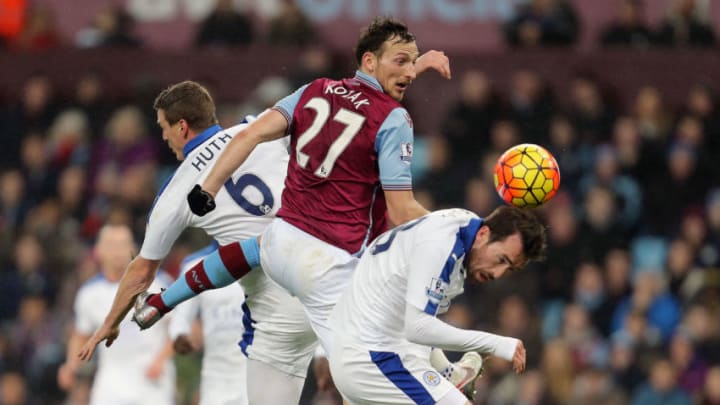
{"x": 380, "y": 30}
{"x": 507, "y": 220}
{"x": 190, "y": 101}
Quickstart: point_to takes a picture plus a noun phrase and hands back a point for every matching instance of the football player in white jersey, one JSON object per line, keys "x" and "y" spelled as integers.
{"x": 223, "y": 372}
{"x": 278, "y": 339}
{"x": 404, "y": 279}
{"x": 142, "y": 361}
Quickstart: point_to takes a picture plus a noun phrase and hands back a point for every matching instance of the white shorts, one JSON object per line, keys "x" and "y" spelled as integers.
{"x": 277, "y": 330}
{"x": 222, "y": 391}
{"x": 366, "y": 377}
{"x": 314, "y": 271}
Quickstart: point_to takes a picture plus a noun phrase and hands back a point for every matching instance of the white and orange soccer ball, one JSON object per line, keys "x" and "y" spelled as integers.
{"x": 526, "y": 175}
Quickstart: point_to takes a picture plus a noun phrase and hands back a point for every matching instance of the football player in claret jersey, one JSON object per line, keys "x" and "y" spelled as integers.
{"x": 350, "y": 153}
{"x": 278, "y": 341}
{"x": 406, "y": 277}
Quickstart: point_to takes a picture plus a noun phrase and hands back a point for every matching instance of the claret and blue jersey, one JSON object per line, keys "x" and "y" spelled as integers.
{"x": 337, "y": 128}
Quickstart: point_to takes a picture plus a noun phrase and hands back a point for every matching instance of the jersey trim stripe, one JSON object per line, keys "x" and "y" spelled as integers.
{"x": 288, "y": 116}
{"x": 397, "y": 187}
{"x": 368, "y": 80}
{"x": 248, "y": 322}
{"x": 200, "y": 138}
{"x": 464, "y": 239}
{"x": 391, "y": 366}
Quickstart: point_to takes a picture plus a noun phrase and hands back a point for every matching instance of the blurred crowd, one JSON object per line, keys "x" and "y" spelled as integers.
{"x": 623, "y": 311}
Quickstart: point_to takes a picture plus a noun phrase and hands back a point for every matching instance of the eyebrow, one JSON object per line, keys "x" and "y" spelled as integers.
{"x": 507, "y": 260}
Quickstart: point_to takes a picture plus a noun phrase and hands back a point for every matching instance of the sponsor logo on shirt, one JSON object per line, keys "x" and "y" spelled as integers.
{"x": 406, "y": 151}
{"x": 431, "y": 378}
{"x": 436, "y": 290}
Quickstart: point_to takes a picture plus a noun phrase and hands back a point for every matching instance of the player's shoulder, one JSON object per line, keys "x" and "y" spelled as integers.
{"x": 96, "y": 285}
{"x": 454, "y": 216}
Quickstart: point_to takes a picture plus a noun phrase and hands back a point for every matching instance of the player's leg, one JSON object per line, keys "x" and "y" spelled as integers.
{"x": 269, "y": 385}
{"x": 314, "y": 271}
{"x": 219, "y": 269}
{"x": 370, "y": 377}
{"x": 278, "y": 341}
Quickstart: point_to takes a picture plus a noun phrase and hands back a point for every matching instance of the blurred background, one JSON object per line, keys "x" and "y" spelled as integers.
{"x": 623, "y": 92}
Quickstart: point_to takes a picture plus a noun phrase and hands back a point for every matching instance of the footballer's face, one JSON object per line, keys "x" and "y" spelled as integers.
{"x": 393, "y": 66}
{"x": 491, "y": 260}
{"x": 176, "y": 135}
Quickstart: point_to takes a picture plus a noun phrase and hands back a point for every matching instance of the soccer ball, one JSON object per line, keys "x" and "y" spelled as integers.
{"x": 526, "y": 175}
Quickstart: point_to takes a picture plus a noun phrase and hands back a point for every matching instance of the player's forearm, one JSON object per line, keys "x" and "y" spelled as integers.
{"x": 403, "y": 207}
{"x": 269, "y": 125}
{"x": 138, "y": 277}
{"x": 427, "y": 330}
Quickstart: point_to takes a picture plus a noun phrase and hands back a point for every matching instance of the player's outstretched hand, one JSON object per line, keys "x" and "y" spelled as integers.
{"x": 433, "y": 60}
{"x": 519, "y": 358}
{"x": 106, "y": 333}
{"x": 201, "y": 202}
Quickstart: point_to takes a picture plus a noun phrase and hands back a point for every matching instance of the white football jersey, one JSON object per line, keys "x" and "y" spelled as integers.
{"x": 420, "y": 263}
{"x": 244, "y": 205}
{"x": 124, "y": 364}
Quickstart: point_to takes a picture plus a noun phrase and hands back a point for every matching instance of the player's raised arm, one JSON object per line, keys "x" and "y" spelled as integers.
{"x": 269, "y": 125}
{"x": 137, "y": 278}
{"x": 436, "y": 60}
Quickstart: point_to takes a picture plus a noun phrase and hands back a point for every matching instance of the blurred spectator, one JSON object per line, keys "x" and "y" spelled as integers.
{"x": 599, "y": 230}
{"x": 13, "y": 389}
{"x": 291, "y": 27}
{"x": 711, "y": 391}
{"x": 653, "y": 121}
{"x": 40, "y": 175}
{"x": 543, "y": 23}
{"x": 315, "y": 61}
{"x": 679, "y": 264}
{"x": 559, "y": 370}
{"x": 688, "y": 190}
{"x": 687, "y": 24}
{"x": 13, "y": 201}
{"x": 479, "y": 195}
{"x": 91, "y": 98}
{"x": 224, "y": 26}
{"x": 628, "y": 195}
{"x": 661, "y": 387}
{"x": 516, "y": 319}
{"x": 589, "y": 293}
{"x": 111, "y": 28}
{"x": 531, "y": 105}
{"x": 68, "y": 139}
{"x": 637, "y": 157}
{"x": 628, "y": 27}
{"x": 467, "y": 125}
{"x": 701, "y": 102}
{"x": 572, "y": 155}
{"x": 563, "y": 249}
{"x": 624, "y": 366}
{"x": 590, "y": 113}
{"x": 650, "y": 297}
{"x": 34, "y": 111}
{"x": 439, "y": 170}
{"x": 596, "y": 386}
{"x": 29, "y": 275}
{"x": 588, "y": 349}
{"x": 39, "y": 32}
{"x": 691, "y": 368}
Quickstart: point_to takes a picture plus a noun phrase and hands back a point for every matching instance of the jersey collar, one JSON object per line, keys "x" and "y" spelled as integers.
{"x": 200, "y": 138}
{"x": 368, "y": 80}
{"x": 467, "y": 235}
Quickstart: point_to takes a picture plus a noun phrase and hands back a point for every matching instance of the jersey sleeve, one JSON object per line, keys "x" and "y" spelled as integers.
{"x": 394, "y": 146}
{"x": 287, "y": 105}
{"x": 428, "y": 276}
{"x": 84, "y": 323}
{"x": 169, "y": 216}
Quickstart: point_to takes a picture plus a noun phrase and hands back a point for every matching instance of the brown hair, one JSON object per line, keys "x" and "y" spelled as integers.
{"x": 380, "y": 30}
{"x": 508, "y": 220}
{"x": 190, "y": 101}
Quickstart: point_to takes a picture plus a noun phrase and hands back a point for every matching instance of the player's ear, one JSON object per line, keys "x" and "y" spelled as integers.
{"x": 369, "y": 62}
